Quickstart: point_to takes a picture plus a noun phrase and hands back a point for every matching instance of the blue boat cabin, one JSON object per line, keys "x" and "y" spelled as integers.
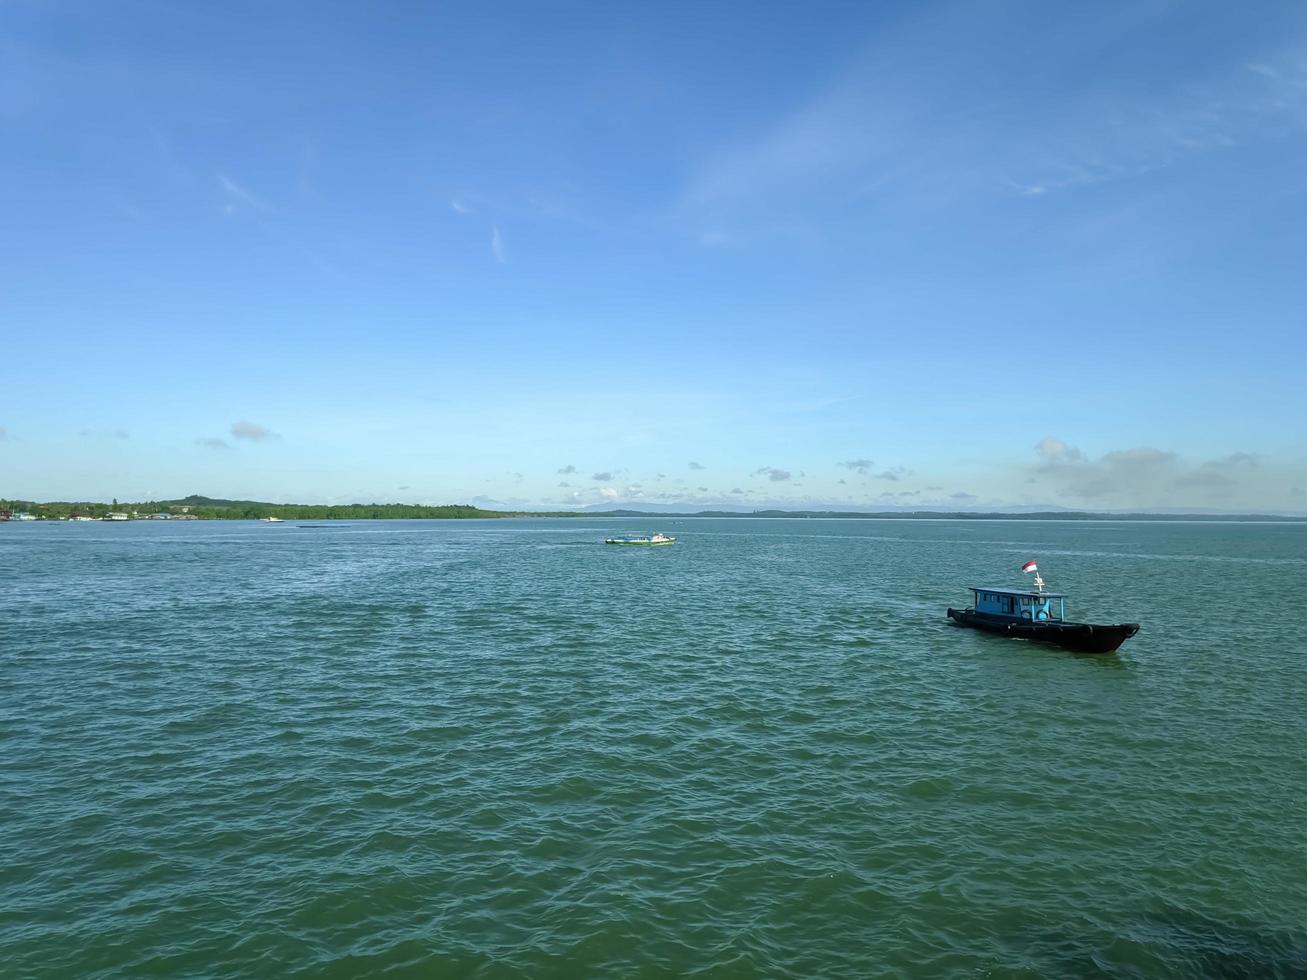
{"x": 1027, "y": 606}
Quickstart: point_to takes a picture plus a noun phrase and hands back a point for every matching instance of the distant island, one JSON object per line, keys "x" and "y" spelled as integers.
{"x": 197, "y": 507}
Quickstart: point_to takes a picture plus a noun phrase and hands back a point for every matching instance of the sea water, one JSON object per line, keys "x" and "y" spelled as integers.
{"x": 493, "y": 749}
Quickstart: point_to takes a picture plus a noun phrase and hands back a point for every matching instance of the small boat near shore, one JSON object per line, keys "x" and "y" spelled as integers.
{"x": 272, "y": 520}
{"x": 1038, "y": 615}
{"x": 647, "y": 540}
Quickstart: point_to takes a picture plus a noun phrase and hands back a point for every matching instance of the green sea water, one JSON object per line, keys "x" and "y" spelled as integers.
{"x": 502, "y": 749}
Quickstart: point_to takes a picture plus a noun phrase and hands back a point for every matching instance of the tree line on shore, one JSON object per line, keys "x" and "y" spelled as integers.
{"x": 247, "y": 510}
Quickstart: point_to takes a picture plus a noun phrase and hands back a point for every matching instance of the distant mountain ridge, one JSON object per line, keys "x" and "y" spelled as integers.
{"x": 1056, "y": 515}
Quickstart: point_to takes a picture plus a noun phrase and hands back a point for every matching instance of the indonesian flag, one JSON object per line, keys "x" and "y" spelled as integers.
{"x": 1030, "y": 566}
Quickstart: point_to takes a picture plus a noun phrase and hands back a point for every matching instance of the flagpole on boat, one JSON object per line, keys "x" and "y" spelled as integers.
{"x": 1031, "y": 566}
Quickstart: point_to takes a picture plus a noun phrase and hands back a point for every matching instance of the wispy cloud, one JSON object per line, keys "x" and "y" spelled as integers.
{"x": 459, "y": 207}
{"x": 252, "y": 432}
{"x": 497, "y": 244}
{"x": 890, "y": 130}
{"x": 210, "y": 442}
{"x": 4, "y": 433}
{"x": 1235, "y": 460}
{"x": 857, "y": 465}
{"x": 567, "y": 470}
{"x": 238, "y": 195}
{"x": 773, "y": 474}
{"x": 603, "y": 477}
{"x": 104, "y": 433}
{"x": 697, "y": 466}
{"x": 893, "y": 474}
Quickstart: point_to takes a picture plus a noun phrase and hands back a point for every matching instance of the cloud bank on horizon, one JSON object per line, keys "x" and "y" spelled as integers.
{"x": 892, "y": 255}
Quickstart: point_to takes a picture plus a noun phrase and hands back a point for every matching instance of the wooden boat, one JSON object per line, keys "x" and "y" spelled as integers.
{"x": 648, "y": 540}
{"x": 1038, "y": 615}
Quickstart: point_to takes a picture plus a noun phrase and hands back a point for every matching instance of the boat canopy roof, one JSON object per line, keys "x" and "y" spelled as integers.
{"x": 1018, "y": 592}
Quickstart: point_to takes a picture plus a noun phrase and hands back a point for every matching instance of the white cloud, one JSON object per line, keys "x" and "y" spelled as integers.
{"x": 497, "y": 244}
{"x": 1146, "y": 477}
{"x": 1054, "y": 450}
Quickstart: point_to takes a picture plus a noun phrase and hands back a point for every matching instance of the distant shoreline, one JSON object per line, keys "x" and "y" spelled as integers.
{"x": 209, "y": 508}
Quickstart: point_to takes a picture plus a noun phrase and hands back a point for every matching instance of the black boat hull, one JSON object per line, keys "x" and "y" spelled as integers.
{"x": 1080, "y": 637}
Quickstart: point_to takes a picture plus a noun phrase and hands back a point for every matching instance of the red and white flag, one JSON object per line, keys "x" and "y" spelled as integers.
{"x": 1030, "y": 566}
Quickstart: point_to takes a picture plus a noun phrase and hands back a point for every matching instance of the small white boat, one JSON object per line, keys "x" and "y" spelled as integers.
{"x": 647, "y": 540}
{"x": 272, "y": 520}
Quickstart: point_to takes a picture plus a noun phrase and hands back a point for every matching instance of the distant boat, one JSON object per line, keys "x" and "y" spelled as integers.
{"x": 1038, "y": 615}
{"x": 273, "y": 520}
{"x": 648, "y": 540}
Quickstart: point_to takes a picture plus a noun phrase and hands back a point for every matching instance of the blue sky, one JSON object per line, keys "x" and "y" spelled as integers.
{"x": 861, "y": 255}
